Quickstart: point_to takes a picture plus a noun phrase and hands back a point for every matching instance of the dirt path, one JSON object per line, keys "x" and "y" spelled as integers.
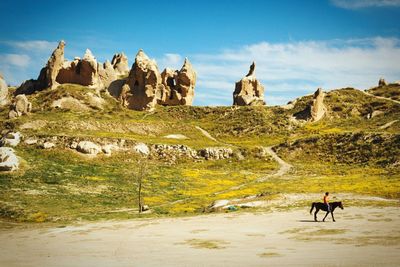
{"x": 380, "y": 97}
{"x": 284, "y": 167}
{"x": 288, "y": 238}
{"x": 207, "y": 134}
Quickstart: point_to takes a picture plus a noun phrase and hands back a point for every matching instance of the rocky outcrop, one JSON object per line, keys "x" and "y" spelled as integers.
{"x": 178, "y": 85}
{"x": 382, "y": 82}
{"x": 81, "y": 71}
{"x": 48, "y": 75}
{"x": 3, "y": 91}
{"x": 317, "y": 109}
{"x": 144, "y": 83}
{"x": 86, "y": 71}
{"x": 19, "y": 107}
{"x": 120, "y": 64}
{"x": 8, "y": 159}
{"x": 249, "y": 91}
{"x": 216, "y": 153}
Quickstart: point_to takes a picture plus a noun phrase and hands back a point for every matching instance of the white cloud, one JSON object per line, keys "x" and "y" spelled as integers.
{"x": 18, "y": 60}
{"x": 289, "y": 70}
{"x": 356, "y": 4}
{"x": 170, "y": 60}
{"x": 34, "y": 45}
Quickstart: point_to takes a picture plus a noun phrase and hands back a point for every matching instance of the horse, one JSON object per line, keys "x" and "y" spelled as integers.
{"x": 322, "y": 206}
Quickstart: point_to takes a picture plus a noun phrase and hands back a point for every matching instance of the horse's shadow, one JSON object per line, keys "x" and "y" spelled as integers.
{"x": 309, "y": 221}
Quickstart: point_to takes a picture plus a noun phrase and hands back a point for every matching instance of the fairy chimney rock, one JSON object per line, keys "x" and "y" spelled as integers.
{"x": 317, "y": 109}
{"x": 144, "y": 82}
{"x": 249, "y": 91}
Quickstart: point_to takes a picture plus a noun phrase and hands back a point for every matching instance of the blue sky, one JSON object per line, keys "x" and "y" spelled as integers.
{"x": 297, "y": 45}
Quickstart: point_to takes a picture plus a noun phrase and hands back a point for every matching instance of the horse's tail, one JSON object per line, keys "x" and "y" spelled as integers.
{"x": 312, "y": 207}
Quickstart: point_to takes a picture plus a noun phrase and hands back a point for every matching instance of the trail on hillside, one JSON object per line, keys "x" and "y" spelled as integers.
{"x": 380, "y": 97}
{"x": 284, "y": 168}
{"x": 206, "y": 134}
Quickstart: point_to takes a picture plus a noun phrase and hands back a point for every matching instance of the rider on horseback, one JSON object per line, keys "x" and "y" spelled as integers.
{"x": 326, "y": 201}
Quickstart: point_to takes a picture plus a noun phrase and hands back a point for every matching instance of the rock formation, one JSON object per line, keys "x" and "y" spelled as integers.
{"x": 3, "y": 91}
{"x": 317, "y": 109}
{"x": 178, "y": 85}
{"x": 86, "y": 71}
{"x": 144, "y": 83}
{"x": 19, "y": 107}
{"x": 249, "y": 91}
{"x": 48, "y": 75}
{"x": 80, "y": 71}
{"x": 382, "y": 82}
{"x": 120, "y": 64}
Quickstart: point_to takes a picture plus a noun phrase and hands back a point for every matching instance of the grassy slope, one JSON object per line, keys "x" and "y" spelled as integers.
{"x": 390, "y": 91}
{"x": 62, "y": 185}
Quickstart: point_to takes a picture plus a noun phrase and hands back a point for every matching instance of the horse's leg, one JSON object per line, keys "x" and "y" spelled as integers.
{"x": 333, "y": 218}
{"x": 315, "y": 214}
{"x": 325, "y": 216}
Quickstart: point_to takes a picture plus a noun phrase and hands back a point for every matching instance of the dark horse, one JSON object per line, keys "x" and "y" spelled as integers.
{"x": 322, "y": 206}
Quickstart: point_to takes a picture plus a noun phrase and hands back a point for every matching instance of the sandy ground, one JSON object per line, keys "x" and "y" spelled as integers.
{"x": 359, "y": 237}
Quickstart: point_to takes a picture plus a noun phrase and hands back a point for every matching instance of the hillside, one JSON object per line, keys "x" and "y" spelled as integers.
{"x": 197, "y": 155}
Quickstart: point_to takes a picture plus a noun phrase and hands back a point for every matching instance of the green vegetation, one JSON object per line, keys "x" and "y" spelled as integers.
{"x": 389, "y": 91}
{"x": 343, "y": 153}
{"x": 207, "y": 244}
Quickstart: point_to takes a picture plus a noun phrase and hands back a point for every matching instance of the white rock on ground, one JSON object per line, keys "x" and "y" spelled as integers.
{"x": 142, "y": 148}
{"x": 219, "y": 203}
{"x": 8, "y": 159}
{"x": 176, "y": 136}
{"x": 47, "y": 145}
{"x": 31, "y": 141}
{"x": 11, "y": 139}
{"x": 88, "y": 147}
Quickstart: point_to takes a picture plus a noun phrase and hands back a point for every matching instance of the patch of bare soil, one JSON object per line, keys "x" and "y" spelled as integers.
{"x": 359, "y": 237}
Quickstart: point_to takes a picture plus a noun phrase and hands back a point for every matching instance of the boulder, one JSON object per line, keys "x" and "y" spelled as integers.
{"x": 178, "y": 85}
{"x": 142, "y": 149}
{"x": 88, "y": 147}
{"x": 19, "y": 107}
{"x": 382, "y": 82}
{"x": 120, "y": 64}
{"x": 30, "y": 141}
{"x": 3, "y": 91}
{"x": 317, "y": 109}
{"x": 11, "y": 139}
{"x": 8, "y": 159}
{"x": 249, "y": 91}
{"x": 48, "y": 75}
{"x": 47, "y": 145}
{"x": 144, "y": 83}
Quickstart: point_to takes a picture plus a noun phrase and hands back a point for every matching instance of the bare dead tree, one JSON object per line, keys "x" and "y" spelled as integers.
{"x": 140, "y": 175}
